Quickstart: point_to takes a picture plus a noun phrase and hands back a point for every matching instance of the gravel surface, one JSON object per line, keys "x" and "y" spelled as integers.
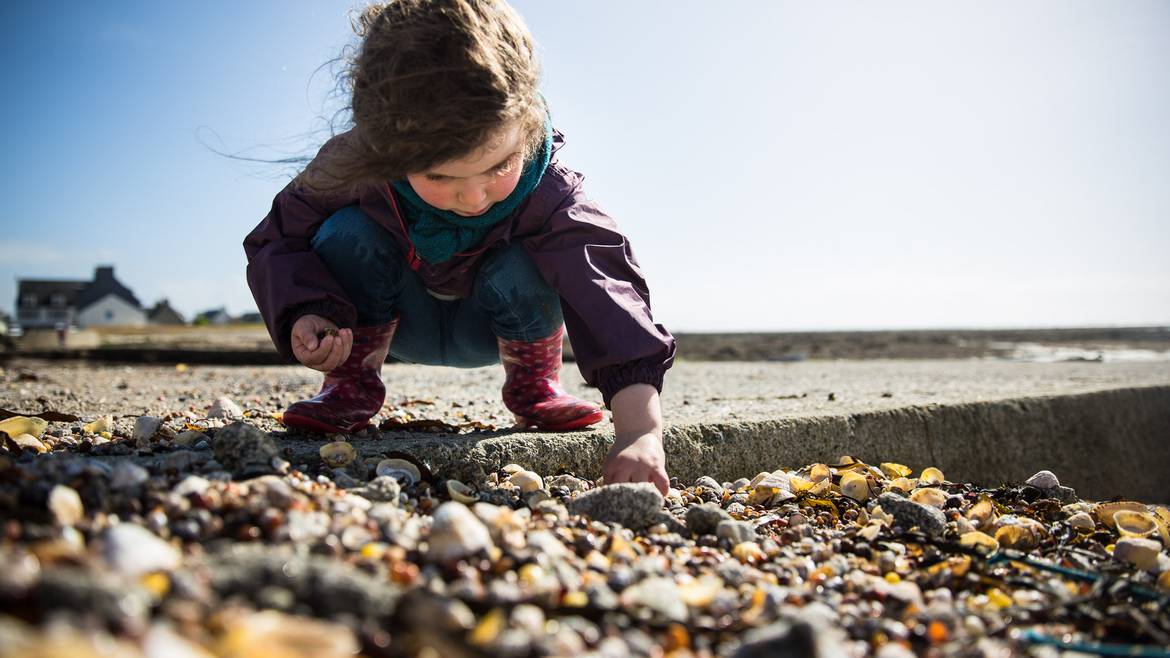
{"x": 144, "y": 517}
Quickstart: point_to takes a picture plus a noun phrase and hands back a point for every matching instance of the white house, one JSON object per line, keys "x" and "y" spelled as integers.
{"x": 103, "y": 301}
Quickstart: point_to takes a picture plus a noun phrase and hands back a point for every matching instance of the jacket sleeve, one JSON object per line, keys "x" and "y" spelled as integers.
{"x": 287, "y": 278}
{"x": 604, "y": 296}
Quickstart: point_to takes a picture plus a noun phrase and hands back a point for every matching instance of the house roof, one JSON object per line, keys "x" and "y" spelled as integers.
{"x": 162, "y": 311}
{"x": 45, "y": 288}
{"x": 104, "y": 284}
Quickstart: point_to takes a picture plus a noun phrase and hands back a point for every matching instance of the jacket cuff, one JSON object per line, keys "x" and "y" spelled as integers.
{"x": 612, "y": 379}
{"x": 335, "y": 313}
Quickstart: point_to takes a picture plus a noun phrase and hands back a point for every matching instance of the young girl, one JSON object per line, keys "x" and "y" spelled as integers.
{"x": 442, "y": 229}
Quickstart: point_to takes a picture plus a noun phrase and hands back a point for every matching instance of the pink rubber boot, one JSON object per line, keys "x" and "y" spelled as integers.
{"x": 353, "y": 391}
{"x": 532, "y": 388}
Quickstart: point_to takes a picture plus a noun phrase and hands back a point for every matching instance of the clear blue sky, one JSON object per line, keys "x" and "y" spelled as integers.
{"x": 776, "y": 165}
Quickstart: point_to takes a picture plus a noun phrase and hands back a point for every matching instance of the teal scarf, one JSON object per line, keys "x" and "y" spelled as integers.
{"x": 439, "y": 234}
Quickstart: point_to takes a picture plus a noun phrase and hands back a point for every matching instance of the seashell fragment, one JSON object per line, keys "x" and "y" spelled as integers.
{"x": 855, "y": 485}
{"x": 526, "y": 481}
{"x": 461, "y": 492}
{"x": 399, "y": 469}
{"x": 99, "y": 425}
{"x": 894, "y": 471}
{"x": 338, "y": 454}
{"x": 1024, "y": 535}
{"x": 980, "y": 541}
{"x": 931, "y": 475}
{"x": 29, "y": 442}
{"x": 1105, "y": 511}
{"x": 1134, "y": 524}
{"x": 65, "y": 505}
{"x": 512, "y": 469}
{"x": 905, "y": 485}
{"x": 982, "y": 512}
{"x": 23, "y": 425}
{"x": 930, "y": 496}
{"x": 1082, "y": 521}
{"x": 701, "y": 591}
{"x": 819, "y": 472}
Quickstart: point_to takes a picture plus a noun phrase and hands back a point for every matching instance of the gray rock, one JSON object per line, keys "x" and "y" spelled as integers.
{"x": 145, "y": 428}
{"x": 704, "y": 519}
{"x": 783, "y": 639}
{"x": 709, "y": 483}
{"x": 573, "y": 484}
{"x": 631, "y": 505}
{"x": 225, "y": 408}
{"x": 244, "y": 450}
{"x": 382, "y": 489}
{"x": 128, "y": 475}
{"x": 1043, "y": 480}
{"x": 909, "y": 514}
{"x": 456, "y": 533}
{"x": 736, "y": 532}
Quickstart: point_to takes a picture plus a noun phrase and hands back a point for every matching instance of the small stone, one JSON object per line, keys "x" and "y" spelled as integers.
{"x": 709, "y": 483}
{"x": 178, "y": 461}
{"x": 1140, "y": 552}
{"x": 659, "y": 595}
{"x": 631, "y": 505}
{"x": 782, "y": 639}
{"x": 704, "y": 519}
{"x": 573, "y": 484}
{"x": 344, "y": 480}
{"x": 908, "y": 513}
{"x": 29, "y": 442}
{"x": 456, "y": 533}
{"x": 1043, "y": 480}
{"x": 1082, "y": 521}
{"x": 244, "y": 450}
{"x": 135, "y": 551}
{"x": 188, "y": 438}
{"x": 128, "y": 475}
{"x": 145, "y": 428}
{"x": 736, "y": 532}
{"x": 65, "y": 505}
{"x": 383, "y": 488}
{"x": 225, "y": 408}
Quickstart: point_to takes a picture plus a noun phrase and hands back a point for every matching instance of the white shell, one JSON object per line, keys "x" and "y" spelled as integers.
{"x": 526, "y": 481}
{"x": 400, "y": 470}
{"x": 456, "y": 533}
{"x": 338, "y": 454}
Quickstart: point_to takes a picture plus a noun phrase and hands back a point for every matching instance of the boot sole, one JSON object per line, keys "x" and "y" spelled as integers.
{"x": 313, "y": 425}
{"x": 575, "y": 424}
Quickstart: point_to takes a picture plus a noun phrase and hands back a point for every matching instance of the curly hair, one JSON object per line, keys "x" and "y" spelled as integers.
{"x": 432, "y": 81}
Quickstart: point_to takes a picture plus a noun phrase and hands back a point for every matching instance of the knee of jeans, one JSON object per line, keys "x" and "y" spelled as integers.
{"x": 512, "y": 291}
{"x": 509, "y": 278}
{"x": 349, "y": 238}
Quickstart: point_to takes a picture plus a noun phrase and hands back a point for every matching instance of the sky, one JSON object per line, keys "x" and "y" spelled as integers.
{"x": 776, "y": 166}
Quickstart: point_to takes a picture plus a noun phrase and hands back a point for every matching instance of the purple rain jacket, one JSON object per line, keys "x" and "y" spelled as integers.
{"x": 573, "y": 243}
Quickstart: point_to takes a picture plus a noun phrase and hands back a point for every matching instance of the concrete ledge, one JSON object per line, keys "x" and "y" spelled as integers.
{"x": 1104, "y": 443}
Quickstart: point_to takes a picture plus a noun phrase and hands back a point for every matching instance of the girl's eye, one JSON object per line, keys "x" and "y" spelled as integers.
{"x": 506, "y": 166}
{"x": 436, "y": 178}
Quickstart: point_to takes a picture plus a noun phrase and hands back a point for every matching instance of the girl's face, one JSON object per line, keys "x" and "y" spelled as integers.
{"x": 470, "y": 185}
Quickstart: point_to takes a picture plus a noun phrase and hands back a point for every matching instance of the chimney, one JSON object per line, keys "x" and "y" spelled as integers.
{"x": 103, "y": 273}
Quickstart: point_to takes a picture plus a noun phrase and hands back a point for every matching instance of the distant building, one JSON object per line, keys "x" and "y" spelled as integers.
{"x": 216, "y": 316}
{"x": 250, "y": 318}
{"x": 162, "y": 313}
{"x": 46, "y": 304}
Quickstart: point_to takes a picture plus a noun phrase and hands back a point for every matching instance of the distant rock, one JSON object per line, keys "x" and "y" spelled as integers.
{"x": 631, "y": 505}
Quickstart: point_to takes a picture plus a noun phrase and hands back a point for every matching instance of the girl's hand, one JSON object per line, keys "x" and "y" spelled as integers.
{"x": 637, "y": 454}
{"x": 638, "y": 458}
{"x": 318, "y": 344}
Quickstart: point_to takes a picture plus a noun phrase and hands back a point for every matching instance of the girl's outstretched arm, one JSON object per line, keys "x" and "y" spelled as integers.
{"x": 637, "y": 454}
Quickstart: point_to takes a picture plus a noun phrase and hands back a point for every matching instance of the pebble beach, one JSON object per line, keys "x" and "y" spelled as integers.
{"x": 174, "y": 525}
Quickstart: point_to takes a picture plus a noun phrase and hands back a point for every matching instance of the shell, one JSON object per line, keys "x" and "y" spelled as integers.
{"x": 1105, "y": 511}
{"x": 979, "y": 541}
{"x": 1020, "y": 536}
{"x": 1134, "y": 524}
{"x": 1162, "y": 516}
{"x": 930, "y": 496}
{"x": 799, "y": 484}
{"x": 338, "y": 454}
{"x": 1141, "y": 553}
{"x": 99, "y": 425}
{"x": 400, "y": 470}
{"x": 512, "y": 469}
{"x": 855, "y": 485}
{"x": 905, "y": 485}
{"x": 461, "y": 492}
{"x": 526, "y": 481}
{"x": 931, "y": 475}
{"x": 23, "y": 425}
{"x": 982, "y": 512}
{"x": 894, "y": 471}
{"x": 819, "y": 472}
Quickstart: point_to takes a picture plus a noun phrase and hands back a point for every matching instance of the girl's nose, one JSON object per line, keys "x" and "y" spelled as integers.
{"x": 474, "y": 196}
